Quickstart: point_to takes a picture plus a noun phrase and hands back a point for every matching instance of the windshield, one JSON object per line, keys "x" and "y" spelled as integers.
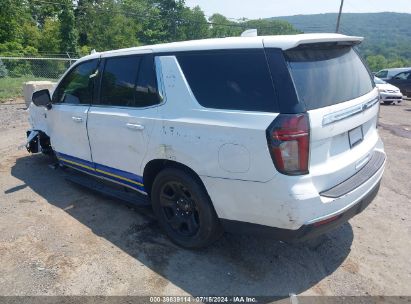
{"x": 382, "y": 74}
{"x": 328, "y": 75}
{"x": 378, "y": 80}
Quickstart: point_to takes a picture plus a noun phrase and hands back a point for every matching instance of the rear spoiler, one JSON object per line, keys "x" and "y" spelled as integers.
{"x": 293, "y": 41}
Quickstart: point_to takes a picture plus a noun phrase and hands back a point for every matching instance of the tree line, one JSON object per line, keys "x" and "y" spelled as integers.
{"x": 36, "y": 27}
{"x": 386, "y": 44}
{"x": 75, "y": 27}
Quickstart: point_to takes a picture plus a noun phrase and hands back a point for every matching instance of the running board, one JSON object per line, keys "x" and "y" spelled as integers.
{"x": 131, "y": 197}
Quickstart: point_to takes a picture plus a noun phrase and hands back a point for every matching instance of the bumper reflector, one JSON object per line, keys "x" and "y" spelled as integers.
{"x": 326, "y": 221}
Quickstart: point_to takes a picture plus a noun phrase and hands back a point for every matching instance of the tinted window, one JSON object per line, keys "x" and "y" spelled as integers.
{"x": 118, "y": 81}
{"x": 235, "y": 80}
{"x": 77, "y": 86}
{"x": 327, "y": 76}
{"x": 129, "y": 82}
{"x": 382, "y": 74}
{"x": 146, "y": 89}
{"x": 403, "y": 75}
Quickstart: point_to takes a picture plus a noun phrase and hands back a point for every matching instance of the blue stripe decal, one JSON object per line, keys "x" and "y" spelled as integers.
{"x": 116, "y": 179}
{"x": 122, "y": 173}
{"x": 120, "y": 176}
{"x": 75, "y": 159}
{"x": 79, "y": 168}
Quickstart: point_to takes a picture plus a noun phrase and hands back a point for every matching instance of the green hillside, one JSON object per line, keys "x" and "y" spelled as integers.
{"x": 387, "y": 35}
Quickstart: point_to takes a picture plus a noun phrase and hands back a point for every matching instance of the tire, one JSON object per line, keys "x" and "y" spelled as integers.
{"x": 184, "y": 209}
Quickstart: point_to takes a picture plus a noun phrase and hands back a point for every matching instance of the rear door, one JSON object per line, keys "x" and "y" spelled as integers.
{"x": 67, "y": 119}
{"x": 120, "y": 123}
{"x": 339, "y": 95}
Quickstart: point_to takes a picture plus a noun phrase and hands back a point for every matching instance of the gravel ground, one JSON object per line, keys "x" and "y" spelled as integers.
{"x": 59, "y": 239}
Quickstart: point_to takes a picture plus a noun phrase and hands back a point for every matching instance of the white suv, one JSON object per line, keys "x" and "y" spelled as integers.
{"x": 271, "y": 135}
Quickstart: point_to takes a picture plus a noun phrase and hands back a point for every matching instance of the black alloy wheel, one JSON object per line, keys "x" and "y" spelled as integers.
{"x": 184, "y": 209}
{"x": 179, "y": 208}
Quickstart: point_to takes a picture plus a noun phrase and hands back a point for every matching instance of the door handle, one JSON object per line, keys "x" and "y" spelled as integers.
{"x": 135, "y": 127}
{"x": 77, "y": 119}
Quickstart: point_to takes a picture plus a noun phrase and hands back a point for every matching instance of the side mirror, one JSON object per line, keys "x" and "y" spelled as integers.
{"x": 42, "y": 98}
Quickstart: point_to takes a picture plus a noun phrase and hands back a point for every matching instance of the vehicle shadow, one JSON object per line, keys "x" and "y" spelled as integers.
{"x": 235, "y": 265}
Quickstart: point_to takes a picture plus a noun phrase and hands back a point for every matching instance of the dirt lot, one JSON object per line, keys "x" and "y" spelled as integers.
{"x": 59, "y": 239}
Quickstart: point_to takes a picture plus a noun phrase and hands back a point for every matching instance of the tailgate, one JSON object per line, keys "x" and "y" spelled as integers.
{"x": 339, "y": 95}
{"x": 342, "y": 139}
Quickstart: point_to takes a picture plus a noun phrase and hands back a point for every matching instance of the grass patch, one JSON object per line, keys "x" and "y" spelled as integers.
{"x": 13, "y": 87}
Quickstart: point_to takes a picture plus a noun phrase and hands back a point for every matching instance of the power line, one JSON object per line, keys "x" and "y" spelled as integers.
{"x": 185, "y": 22}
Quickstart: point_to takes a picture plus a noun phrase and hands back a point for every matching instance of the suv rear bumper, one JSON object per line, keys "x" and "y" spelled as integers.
{"x": 304, "y": 232}
{"x": 376, "y": 161}
{"x": 286, "y": 202}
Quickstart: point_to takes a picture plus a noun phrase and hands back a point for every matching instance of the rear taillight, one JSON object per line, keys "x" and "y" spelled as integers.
{"x": 288, "y": 140}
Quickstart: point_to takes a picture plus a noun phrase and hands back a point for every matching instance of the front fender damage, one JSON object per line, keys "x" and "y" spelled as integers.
{"x": 38, "y": 141}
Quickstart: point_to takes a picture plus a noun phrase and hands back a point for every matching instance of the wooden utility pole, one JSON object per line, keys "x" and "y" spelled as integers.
{"x": 337, "y": 28}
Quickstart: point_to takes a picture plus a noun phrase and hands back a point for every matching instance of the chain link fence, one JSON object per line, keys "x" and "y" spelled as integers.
{"x": 14, "y": 71}
{"x": 37, "y": 67}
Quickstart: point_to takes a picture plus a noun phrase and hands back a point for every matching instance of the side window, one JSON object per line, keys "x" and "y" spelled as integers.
{"x": 118, "y": 81}
{"x": 77, "y": 86}
{"x": 230, "y": 80}
{"x": 402, "y": 75}
{"x": 146, "y": 89}
{"x": 129, "y": 81}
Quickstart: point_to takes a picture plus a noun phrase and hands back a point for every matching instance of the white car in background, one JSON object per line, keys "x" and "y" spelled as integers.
{"x": 388, "y": 92}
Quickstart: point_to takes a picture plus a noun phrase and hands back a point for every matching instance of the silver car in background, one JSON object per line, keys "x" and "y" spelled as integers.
{"x": 386, "y": 74}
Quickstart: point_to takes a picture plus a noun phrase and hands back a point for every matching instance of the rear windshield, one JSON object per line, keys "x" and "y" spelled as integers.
{"x": 325, "y": 76}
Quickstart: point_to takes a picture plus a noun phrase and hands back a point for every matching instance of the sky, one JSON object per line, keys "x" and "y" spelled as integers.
{"x": 254, "y": 9}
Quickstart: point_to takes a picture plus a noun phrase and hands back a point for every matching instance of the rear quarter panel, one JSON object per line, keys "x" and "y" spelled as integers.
{"x": 214, "y": 143}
